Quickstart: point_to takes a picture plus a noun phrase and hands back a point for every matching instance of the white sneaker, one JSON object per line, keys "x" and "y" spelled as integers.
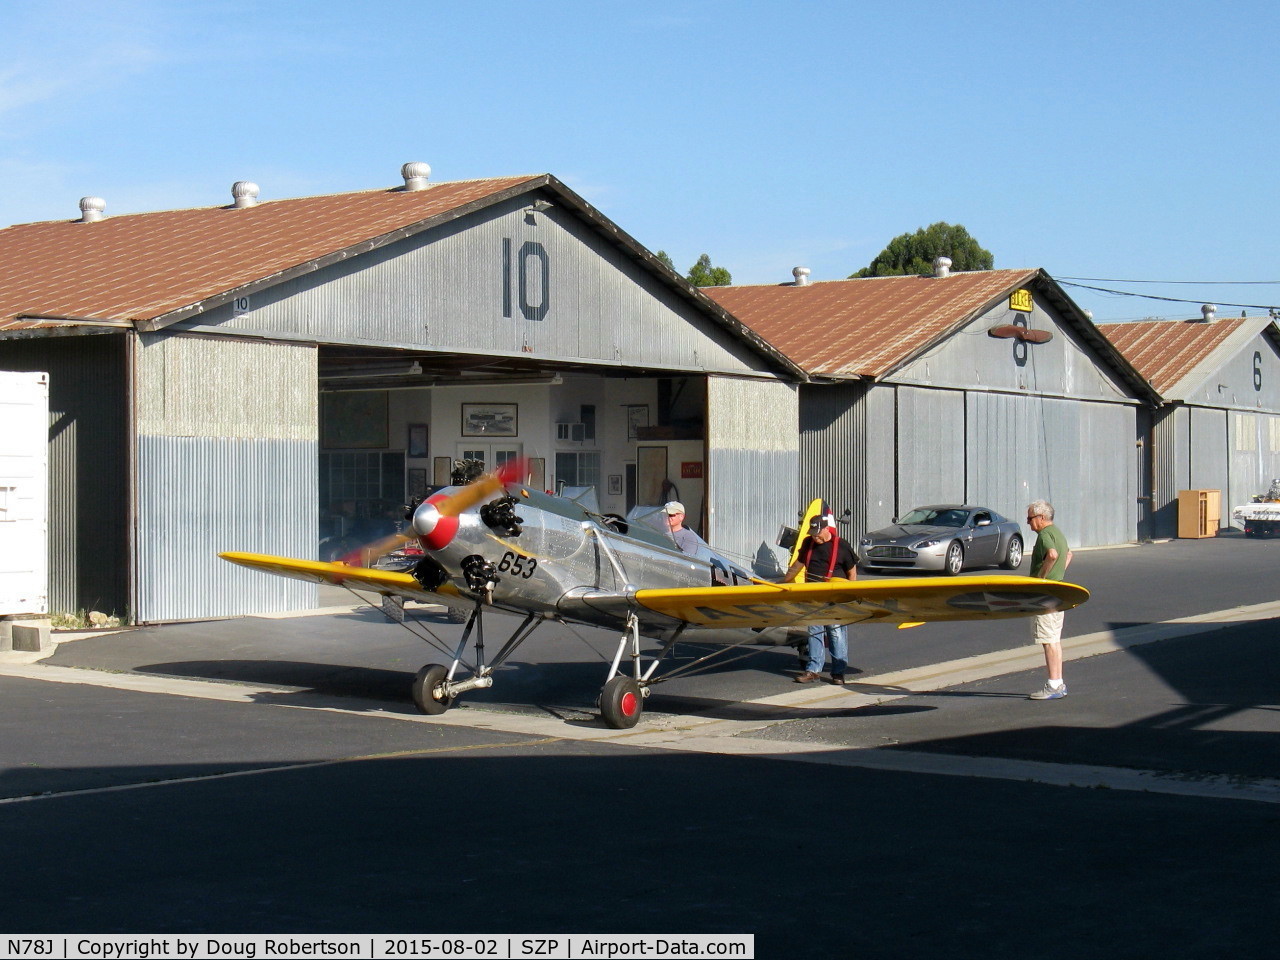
{"x": 1048, "y": 692}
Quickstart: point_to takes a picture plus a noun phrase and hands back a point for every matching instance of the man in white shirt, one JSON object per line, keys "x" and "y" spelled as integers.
{"x": 685, "y": 539}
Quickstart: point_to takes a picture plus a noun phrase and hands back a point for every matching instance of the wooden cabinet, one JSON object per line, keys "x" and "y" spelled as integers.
{"x": 1199, "y": 513}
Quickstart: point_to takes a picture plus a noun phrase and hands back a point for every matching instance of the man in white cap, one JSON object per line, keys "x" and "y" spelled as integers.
{"x": 685, "y": 539}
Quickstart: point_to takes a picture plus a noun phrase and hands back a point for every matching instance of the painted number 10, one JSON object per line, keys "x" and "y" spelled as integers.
{"x": 525, "y": 274}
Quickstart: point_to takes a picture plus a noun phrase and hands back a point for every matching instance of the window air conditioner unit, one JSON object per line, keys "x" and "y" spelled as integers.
{"x": 571, "y": 431}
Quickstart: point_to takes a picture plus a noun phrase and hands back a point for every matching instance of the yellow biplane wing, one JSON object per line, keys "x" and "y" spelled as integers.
{"x": 386, "y": 582}
{"x": 904, "y": 602}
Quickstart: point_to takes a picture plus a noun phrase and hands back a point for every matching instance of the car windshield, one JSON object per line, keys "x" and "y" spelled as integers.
{"x": 936, "y": 516}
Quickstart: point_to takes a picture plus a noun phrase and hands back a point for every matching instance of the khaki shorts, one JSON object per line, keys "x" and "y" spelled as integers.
{"x": 1047, "y": 627}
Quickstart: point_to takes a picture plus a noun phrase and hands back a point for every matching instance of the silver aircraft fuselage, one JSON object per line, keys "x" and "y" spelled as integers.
{"x": 561, "y": 561}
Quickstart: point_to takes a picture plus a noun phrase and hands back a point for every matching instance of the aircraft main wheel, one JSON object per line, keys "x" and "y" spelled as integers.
{"x": 621, "y": 703}
{"x": 955, "y": 558}
{"x": 1013, "y": 558}
{"x": 424, "y": 689}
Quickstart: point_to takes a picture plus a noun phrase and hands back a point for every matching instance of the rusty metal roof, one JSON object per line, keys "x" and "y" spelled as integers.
{"x": 1175, "y": 355}
{"x": 149, "y": 270}
{"x": 870, "y": 326}
{"x": 147, "y": 266}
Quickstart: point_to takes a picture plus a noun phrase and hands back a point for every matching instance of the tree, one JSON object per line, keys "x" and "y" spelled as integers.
{"x": 703, "y": 274}
{"x": 914, "y": 253}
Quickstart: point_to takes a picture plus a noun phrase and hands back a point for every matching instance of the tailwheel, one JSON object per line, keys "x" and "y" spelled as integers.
{"x": 621, "y": 703}
{"x": 425, "y": 689}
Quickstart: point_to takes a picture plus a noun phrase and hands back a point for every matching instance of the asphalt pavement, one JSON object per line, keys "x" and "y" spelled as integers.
{"x": 270, "y": 775}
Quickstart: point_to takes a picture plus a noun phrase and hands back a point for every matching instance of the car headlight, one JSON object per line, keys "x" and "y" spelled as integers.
{"x": 926, "y": 544}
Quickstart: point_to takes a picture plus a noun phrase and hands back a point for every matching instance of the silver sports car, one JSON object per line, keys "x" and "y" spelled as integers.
{"x": 946, "y": 537}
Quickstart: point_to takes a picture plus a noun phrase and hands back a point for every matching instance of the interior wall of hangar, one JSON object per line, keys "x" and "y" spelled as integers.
{"x": 504, "y": 291}
{"x": 980, "y": 419}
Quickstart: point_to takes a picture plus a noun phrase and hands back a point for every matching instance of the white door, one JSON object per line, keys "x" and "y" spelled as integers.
{"x": 492, "y": 453}
{"x": 24, "y": 444}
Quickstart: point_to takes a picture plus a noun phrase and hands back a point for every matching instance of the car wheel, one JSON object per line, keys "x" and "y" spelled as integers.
{"x": 955, "y": 558}
{"x": 1013, "y": 556}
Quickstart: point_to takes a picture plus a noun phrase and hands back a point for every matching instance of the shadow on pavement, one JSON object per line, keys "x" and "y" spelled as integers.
{"x": 557, "y": 838}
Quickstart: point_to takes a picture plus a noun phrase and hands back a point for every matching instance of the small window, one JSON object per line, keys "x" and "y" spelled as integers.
{"x": 1246, "y": 433}
{"x": 578, "y": 468}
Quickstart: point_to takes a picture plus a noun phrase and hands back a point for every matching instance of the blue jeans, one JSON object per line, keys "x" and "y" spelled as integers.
{"x": 821, "y": 636}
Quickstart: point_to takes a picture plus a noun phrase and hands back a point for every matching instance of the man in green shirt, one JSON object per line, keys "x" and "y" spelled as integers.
{"x": 1049, "y": 560}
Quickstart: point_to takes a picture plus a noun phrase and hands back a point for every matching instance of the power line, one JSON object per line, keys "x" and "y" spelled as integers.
{"x": 1198, "y": 283}
{"x": 1152, "y": 296}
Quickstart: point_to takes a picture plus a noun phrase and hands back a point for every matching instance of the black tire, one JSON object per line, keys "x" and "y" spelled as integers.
{"x": 621, "y": 703}
{"x": 1013, "y": 556}
{"x": 424, "y": 690}
{"x": 954, "y": 562}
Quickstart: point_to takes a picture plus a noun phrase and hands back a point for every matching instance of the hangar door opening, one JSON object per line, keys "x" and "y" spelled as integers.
{"x": 395, "y": 426}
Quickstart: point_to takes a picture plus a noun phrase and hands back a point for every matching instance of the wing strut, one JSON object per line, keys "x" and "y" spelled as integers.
{"x": 435, "y": 689}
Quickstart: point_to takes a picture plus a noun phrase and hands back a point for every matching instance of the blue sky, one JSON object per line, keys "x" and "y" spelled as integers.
{"x": 1126, "y": 140}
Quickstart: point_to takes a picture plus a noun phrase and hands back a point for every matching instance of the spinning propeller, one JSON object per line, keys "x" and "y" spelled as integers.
{"x": 436, "y": 520}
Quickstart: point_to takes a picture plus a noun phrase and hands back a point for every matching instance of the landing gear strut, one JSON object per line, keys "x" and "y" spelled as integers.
{"x": 435, "y": 689}
{"x": 622, "y": 699}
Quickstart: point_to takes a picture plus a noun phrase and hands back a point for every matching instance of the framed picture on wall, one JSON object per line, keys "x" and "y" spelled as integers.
{"x": 417, "y": 486}
{"x": 490, "y": 420}
{"x": 651, "y": 475}
{"x": 637, "y": 417}
{"x": 443, "y": 469}
{"x": 615, "y": 484}
{"x": 416, "y": 444}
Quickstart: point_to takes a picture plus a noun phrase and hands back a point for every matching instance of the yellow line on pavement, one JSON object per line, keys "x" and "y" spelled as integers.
{"x": 278, "y": 768}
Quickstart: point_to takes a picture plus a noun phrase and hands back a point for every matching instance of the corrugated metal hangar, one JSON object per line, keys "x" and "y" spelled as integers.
{"x": 986, "y": 387}
{"x": 265, "y": 375}
{"x": 1218, "y": 424}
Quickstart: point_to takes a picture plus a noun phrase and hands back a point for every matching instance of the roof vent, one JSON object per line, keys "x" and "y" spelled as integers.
{"x": 91, "y": 209}
{"x": 802, "y": 276}
{"x": 415, "y": 175}
{"x": 942, "y": 267}
{"x": 1208, "y": 311}
{"x": 245, "y": 194}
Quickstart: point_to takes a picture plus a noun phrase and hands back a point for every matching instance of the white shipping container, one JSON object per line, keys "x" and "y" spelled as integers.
{"x": 24, "y": 483}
